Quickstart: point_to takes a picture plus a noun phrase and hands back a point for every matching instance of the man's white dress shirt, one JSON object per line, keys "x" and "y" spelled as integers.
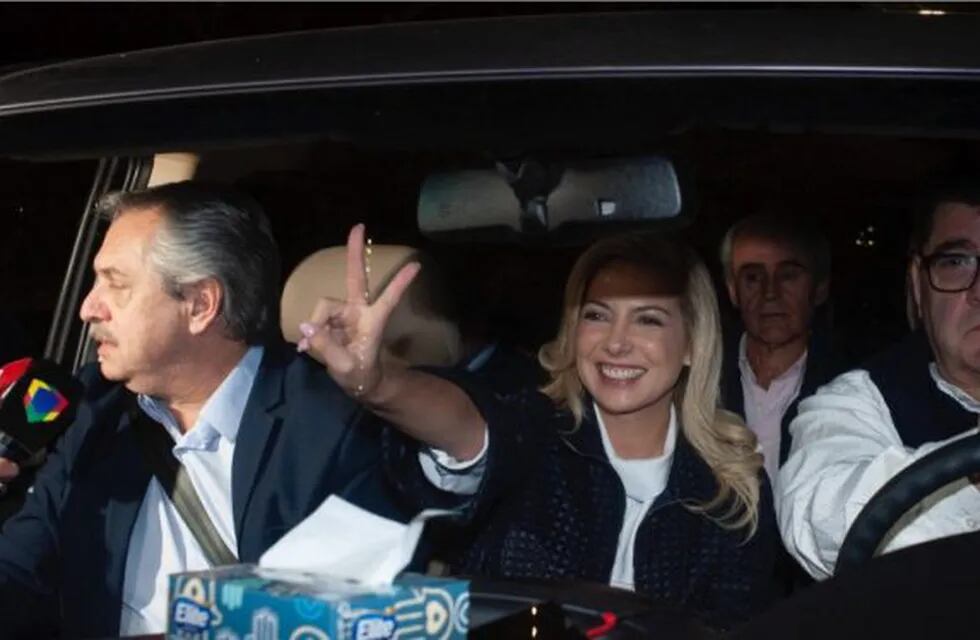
{"x": 845, "y": 447}
{"x": 643, "y": 480}
{"x": 161, "y": 543}
{"x": 765, "y": 408}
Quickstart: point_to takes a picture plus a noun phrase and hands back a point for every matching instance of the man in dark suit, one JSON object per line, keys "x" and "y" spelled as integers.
{"x": 183, "y": 310}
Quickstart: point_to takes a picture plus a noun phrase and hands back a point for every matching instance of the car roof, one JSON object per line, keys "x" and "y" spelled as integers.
{"x": 182, "y": 95}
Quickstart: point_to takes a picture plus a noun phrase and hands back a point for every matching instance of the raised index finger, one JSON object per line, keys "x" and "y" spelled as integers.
{"x": 356, "y": 286}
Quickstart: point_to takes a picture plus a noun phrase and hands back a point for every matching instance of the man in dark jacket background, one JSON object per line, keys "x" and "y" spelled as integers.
{"x": 777, "y": 274}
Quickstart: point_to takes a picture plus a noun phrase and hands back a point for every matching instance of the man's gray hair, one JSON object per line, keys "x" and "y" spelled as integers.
{"x": 211, "y": 231}
{"x": 800, "y": 235}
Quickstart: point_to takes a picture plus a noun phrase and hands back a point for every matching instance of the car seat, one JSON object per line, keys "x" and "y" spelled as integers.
{"x": 421, "y": 330}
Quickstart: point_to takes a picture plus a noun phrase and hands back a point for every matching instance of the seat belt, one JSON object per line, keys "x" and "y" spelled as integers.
{"x": 157, "y": 447}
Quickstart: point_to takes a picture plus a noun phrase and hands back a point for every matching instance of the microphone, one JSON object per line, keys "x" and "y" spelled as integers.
{"x": 38, "y": 400}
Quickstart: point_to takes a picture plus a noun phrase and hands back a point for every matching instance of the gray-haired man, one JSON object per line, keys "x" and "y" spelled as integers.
{"x": 184, "y": 312}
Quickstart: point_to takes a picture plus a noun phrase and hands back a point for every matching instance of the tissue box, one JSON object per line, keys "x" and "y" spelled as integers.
{"x": 246, "y": 602}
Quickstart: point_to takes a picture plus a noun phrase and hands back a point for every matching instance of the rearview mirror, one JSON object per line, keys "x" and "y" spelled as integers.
{"x": 542, "y": 198}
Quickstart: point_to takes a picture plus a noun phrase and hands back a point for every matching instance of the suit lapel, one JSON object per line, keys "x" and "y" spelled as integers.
{"x": 260, "y": 422}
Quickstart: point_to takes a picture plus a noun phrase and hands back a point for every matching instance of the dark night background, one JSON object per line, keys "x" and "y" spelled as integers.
{"x": 53, "y": 31}
{"x": 39, "y": 32}
{"x": 41, "y": 203}
{"x": 847, "y": 183}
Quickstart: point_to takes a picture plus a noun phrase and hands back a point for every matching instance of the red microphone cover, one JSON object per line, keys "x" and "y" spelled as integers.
{"x": 12, "y": 372}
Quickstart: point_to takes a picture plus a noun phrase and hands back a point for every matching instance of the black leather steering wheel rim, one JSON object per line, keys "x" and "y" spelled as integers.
{"x": 909, "y": 487}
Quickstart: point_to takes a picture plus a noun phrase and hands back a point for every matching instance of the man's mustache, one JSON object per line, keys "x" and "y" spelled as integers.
{"x": 99, "y": 334}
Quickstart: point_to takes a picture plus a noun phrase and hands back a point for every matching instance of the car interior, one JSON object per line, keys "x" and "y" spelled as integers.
{"x": 859, "y": 188}
{"x": 483, "y": 208}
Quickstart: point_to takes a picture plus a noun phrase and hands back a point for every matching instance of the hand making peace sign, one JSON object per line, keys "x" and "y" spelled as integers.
{"x": 346, "y": 334}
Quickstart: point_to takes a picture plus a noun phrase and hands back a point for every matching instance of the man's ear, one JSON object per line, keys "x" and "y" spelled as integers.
{"x": 205, "y": 299}
{"x": 822, "y": 292}
{"x": 915, "y": 284}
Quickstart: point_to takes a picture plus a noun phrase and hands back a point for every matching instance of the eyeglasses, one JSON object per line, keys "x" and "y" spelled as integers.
{"x": 951, "y": 272}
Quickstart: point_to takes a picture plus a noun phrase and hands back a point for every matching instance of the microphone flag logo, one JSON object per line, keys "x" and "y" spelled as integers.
{"x": 42, "y": 402}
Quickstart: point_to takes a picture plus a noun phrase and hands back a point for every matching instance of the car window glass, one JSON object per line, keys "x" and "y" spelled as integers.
{"x": 40, "y": 204}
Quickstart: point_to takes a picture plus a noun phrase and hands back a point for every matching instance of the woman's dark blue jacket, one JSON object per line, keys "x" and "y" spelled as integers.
{"x": 551, "y": 506}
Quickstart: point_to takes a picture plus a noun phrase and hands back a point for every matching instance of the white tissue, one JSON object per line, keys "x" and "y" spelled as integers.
{"x": 344, "y": 541}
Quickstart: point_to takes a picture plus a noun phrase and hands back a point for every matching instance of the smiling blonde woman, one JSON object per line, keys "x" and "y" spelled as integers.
{"x": 719, "y": 437}
{"x": 623, "y": 470}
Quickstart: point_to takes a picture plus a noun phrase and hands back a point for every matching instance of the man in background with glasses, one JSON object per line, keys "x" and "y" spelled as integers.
{"x": 859, "y": 431}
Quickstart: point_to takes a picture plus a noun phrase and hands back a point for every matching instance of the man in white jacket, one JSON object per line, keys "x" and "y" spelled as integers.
{"x": 865, "y": 426}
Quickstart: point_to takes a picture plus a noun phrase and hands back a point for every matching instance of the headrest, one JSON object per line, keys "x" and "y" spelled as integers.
{"x": 419, "y": 332}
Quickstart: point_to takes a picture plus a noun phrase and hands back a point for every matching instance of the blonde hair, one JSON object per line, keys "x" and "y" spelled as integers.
{"x": 718, "y": 436}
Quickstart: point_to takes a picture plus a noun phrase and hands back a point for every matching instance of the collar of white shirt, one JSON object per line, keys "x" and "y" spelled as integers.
{"x": 643, "y": 478}
{"x": 966, "y": 400}
{"x": 794, "y": 373}
{"x": 221, "y": 415}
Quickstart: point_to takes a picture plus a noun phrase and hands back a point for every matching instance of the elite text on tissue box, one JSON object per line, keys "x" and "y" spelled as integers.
{"x": 245, "y": 602}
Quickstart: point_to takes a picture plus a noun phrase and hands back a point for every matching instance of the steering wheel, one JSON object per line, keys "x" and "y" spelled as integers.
{"x": 910, "y": 486}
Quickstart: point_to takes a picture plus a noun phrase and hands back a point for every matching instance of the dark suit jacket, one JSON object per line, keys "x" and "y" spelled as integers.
{"x": 62, "y": 558}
